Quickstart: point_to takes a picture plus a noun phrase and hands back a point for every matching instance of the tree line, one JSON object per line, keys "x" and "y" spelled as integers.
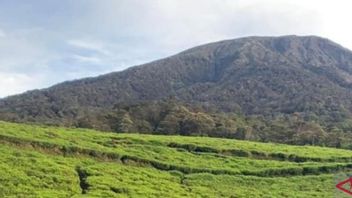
{"x": 169, "y": 117}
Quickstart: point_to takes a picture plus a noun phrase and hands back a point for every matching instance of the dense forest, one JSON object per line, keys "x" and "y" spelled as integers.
{"x": 172, "y": 117}
{"x": 169, "y": 117}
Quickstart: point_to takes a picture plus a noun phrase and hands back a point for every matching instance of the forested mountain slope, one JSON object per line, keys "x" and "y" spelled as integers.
{"x": 267, "y": 77}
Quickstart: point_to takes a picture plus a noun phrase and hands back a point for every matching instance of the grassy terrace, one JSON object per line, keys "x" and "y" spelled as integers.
{"x": 29, "y": 173}
{"x": 40, "y": 161}
{"x": 91, "y": 138}
{"x": 139, "y": 148}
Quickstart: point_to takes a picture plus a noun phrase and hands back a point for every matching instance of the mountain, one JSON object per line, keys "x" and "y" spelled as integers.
{"x": 265, "y": 76}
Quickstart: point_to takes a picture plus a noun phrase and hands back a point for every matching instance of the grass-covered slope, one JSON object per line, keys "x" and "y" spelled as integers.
{"x": 40, "y": 161}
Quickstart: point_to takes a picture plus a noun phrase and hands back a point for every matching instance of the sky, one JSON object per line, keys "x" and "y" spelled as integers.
{"x": 44, "y": 42}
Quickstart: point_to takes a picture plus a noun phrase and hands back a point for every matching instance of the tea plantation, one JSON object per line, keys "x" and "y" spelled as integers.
{"x": 43, "y": 161}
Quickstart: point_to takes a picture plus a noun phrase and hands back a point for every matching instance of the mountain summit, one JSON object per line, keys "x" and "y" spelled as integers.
{"x": 254, "y": 75}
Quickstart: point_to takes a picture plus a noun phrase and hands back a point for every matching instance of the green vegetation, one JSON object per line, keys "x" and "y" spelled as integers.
{"x": 42, "y": 161}
{"x": 289, "y": 89}
{"x": 172, "y": 117}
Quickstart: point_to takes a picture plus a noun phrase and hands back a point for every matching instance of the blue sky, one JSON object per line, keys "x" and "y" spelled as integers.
{"x": 43, "y": 42}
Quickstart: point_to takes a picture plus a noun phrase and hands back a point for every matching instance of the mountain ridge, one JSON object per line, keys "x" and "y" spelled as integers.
{"x": 256, "y": 42}
{"x": 251, "y": 76}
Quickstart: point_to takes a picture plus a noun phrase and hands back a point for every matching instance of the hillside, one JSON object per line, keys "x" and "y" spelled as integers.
{"x": 265, "y": 77}
{"x": 46, "y": 161}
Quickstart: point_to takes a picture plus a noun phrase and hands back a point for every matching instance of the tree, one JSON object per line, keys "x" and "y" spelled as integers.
{"x": 310, "y": 133}
{"x": 196, "y": 124}
{"x": 125, "y": 123}
{"x": 170, "y": 124}
{"x": 335, "y": 137}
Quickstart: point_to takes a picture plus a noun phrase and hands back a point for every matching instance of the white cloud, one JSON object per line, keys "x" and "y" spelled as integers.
{"x": 13, "y": 83}
{"x": 87, "y": 59}
{"x": 90, "y": 45}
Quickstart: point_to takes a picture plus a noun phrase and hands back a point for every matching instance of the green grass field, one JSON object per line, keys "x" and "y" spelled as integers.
{"x": 42, "y": 161}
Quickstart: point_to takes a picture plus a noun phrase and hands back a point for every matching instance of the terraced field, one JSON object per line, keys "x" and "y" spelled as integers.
{"x": 41, "y": 161}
